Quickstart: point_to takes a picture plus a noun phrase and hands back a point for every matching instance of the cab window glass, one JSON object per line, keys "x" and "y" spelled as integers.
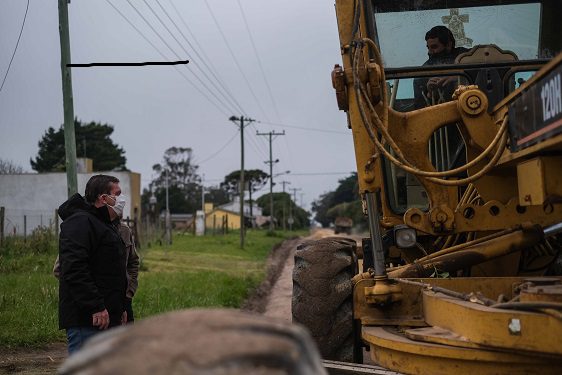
{"x": 513, "y": 27}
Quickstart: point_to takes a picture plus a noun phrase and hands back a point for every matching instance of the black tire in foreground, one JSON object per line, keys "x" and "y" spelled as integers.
{"x": 323, "y": 296}
{"x": 211, "y": 342}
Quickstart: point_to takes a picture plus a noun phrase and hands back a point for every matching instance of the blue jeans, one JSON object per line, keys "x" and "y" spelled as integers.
{"x": 77, "y": 336}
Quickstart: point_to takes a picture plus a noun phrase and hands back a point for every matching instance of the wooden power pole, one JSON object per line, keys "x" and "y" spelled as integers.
{"x": 239, "y": 121}
{"x": 68, "y": 104}
{"x": 271, "y": 162}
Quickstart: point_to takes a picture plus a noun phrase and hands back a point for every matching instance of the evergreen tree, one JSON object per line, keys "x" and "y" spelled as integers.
{"x": 92, "y": 141}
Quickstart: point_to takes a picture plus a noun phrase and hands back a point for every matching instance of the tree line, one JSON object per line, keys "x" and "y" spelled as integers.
{"x": 93, "y": 140}
{"x": 343, "y": 201}
{"x": 177, "y": 170}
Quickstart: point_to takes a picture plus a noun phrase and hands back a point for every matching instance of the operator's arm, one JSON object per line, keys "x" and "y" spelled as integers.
{"x": 420, "y": 90}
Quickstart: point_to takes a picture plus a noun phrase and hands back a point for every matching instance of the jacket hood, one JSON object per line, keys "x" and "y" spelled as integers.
{"x": 77, "y": 203}
{"x": 74, "y": 204}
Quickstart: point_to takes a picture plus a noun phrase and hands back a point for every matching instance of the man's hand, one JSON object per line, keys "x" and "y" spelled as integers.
{"x": 124, "y": 318}
{"x": 436, "y": 82}
{"x": 101, "y": 319}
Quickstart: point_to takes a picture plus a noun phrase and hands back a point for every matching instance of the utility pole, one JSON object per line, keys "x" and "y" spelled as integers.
{"x": 285, "y": 183}
{"x": 203, "y": 193}
{"x": 239, "y": 121}
{"x": 284, "y": 224}
{"x": 168, "y": 218}
{"x": 291, "y": 206}
{"x": 68, "y": 105}
{"x": 202, "y": 204}
{"x": 271, "y": 162}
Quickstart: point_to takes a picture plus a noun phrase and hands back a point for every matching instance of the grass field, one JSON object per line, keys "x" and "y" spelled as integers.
{"x": 209, "y": 271}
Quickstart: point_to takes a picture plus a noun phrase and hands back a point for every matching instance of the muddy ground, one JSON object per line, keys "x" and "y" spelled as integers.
{"x": 272, "y": 298}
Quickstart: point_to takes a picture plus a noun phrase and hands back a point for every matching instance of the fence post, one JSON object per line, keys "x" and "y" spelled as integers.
{"x": 2, "y": 210}
{"x": 24, "y": 228}
{"x": 136, "y": 229}
{"x": 136, "y": 236}
{"x": 214, "y": 225}
{"x": 56, "y": 223}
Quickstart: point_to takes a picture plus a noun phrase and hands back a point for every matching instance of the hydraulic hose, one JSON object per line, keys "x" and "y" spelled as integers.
{"x": 382, "y": 127}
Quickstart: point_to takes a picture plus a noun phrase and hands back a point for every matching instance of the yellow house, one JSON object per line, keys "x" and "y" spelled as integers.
{"x": 217, "y": 218}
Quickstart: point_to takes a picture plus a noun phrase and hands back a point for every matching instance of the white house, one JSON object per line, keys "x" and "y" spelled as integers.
{"x": 30, "y": 199}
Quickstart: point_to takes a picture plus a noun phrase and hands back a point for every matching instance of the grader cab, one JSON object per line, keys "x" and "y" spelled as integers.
{"x": 459, "y": 161}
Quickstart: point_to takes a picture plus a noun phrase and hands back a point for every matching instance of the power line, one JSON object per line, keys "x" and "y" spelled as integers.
{"x": 229, "y": 97}
{"x": 16, "y": 48}
{"x": 221, "y": 92}
{"x": 173, "y": 51}
{"x": 290, "y": 157}
{"x": 206, "y": 59}
{"x": 259, "y": 60}
{"x": 187, "y": 53}
{"x": 164, "y": 56}
{"x": 219, "y": 150}
{"x": 134, "y": 27}
{"x": 304, "y": 128}
{"x": 261, "y": 144}
{"x": 217, "y": 24}
{"x": 256, "y": 146}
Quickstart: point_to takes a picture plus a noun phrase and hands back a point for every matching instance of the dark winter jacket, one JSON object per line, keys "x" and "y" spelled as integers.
{"x": 92, "y": 258}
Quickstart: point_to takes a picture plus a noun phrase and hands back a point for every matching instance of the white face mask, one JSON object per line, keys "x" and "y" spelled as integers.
{"x": 119, "y": 205}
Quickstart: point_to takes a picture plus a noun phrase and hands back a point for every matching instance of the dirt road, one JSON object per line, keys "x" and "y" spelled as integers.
{"x": 278, "y": 304}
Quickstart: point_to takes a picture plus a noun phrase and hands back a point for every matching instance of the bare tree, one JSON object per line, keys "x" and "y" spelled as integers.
{"x": 9, "y": 167}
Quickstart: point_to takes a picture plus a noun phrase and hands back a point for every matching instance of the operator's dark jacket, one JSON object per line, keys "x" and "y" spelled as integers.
{"x": 421, "y": 83}
{"x": 92, "y": 257}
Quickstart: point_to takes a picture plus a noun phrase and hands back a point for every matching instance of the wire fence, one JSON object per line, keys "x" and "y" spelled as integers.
{"x": 21, "y": 223}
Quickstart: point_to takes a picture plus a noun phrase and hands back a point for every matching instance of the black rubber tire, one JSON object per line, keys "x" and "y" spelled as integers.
{"x": 323, "y": 296}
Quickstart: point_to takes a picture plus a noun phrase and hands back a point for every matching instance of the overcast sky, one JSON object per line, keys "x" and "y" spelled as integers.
{"x": 154, "y": 108}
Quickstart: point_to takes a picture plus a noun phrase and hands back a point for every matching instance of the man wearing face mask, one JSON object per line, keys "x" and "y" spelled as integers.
{"x": 132, "y": 261}
{"x": 441, "y": 50}
{"x": 93, "y": 278}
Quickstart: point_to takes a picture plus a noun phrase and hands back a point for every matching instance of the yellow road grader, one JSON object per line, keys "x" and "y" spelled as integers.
{"x": 462, "y": 187}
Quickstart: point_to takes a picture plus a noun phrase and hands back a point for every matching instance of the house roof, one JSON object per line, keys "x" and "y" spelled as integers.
{"x": 234, "y": 207}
